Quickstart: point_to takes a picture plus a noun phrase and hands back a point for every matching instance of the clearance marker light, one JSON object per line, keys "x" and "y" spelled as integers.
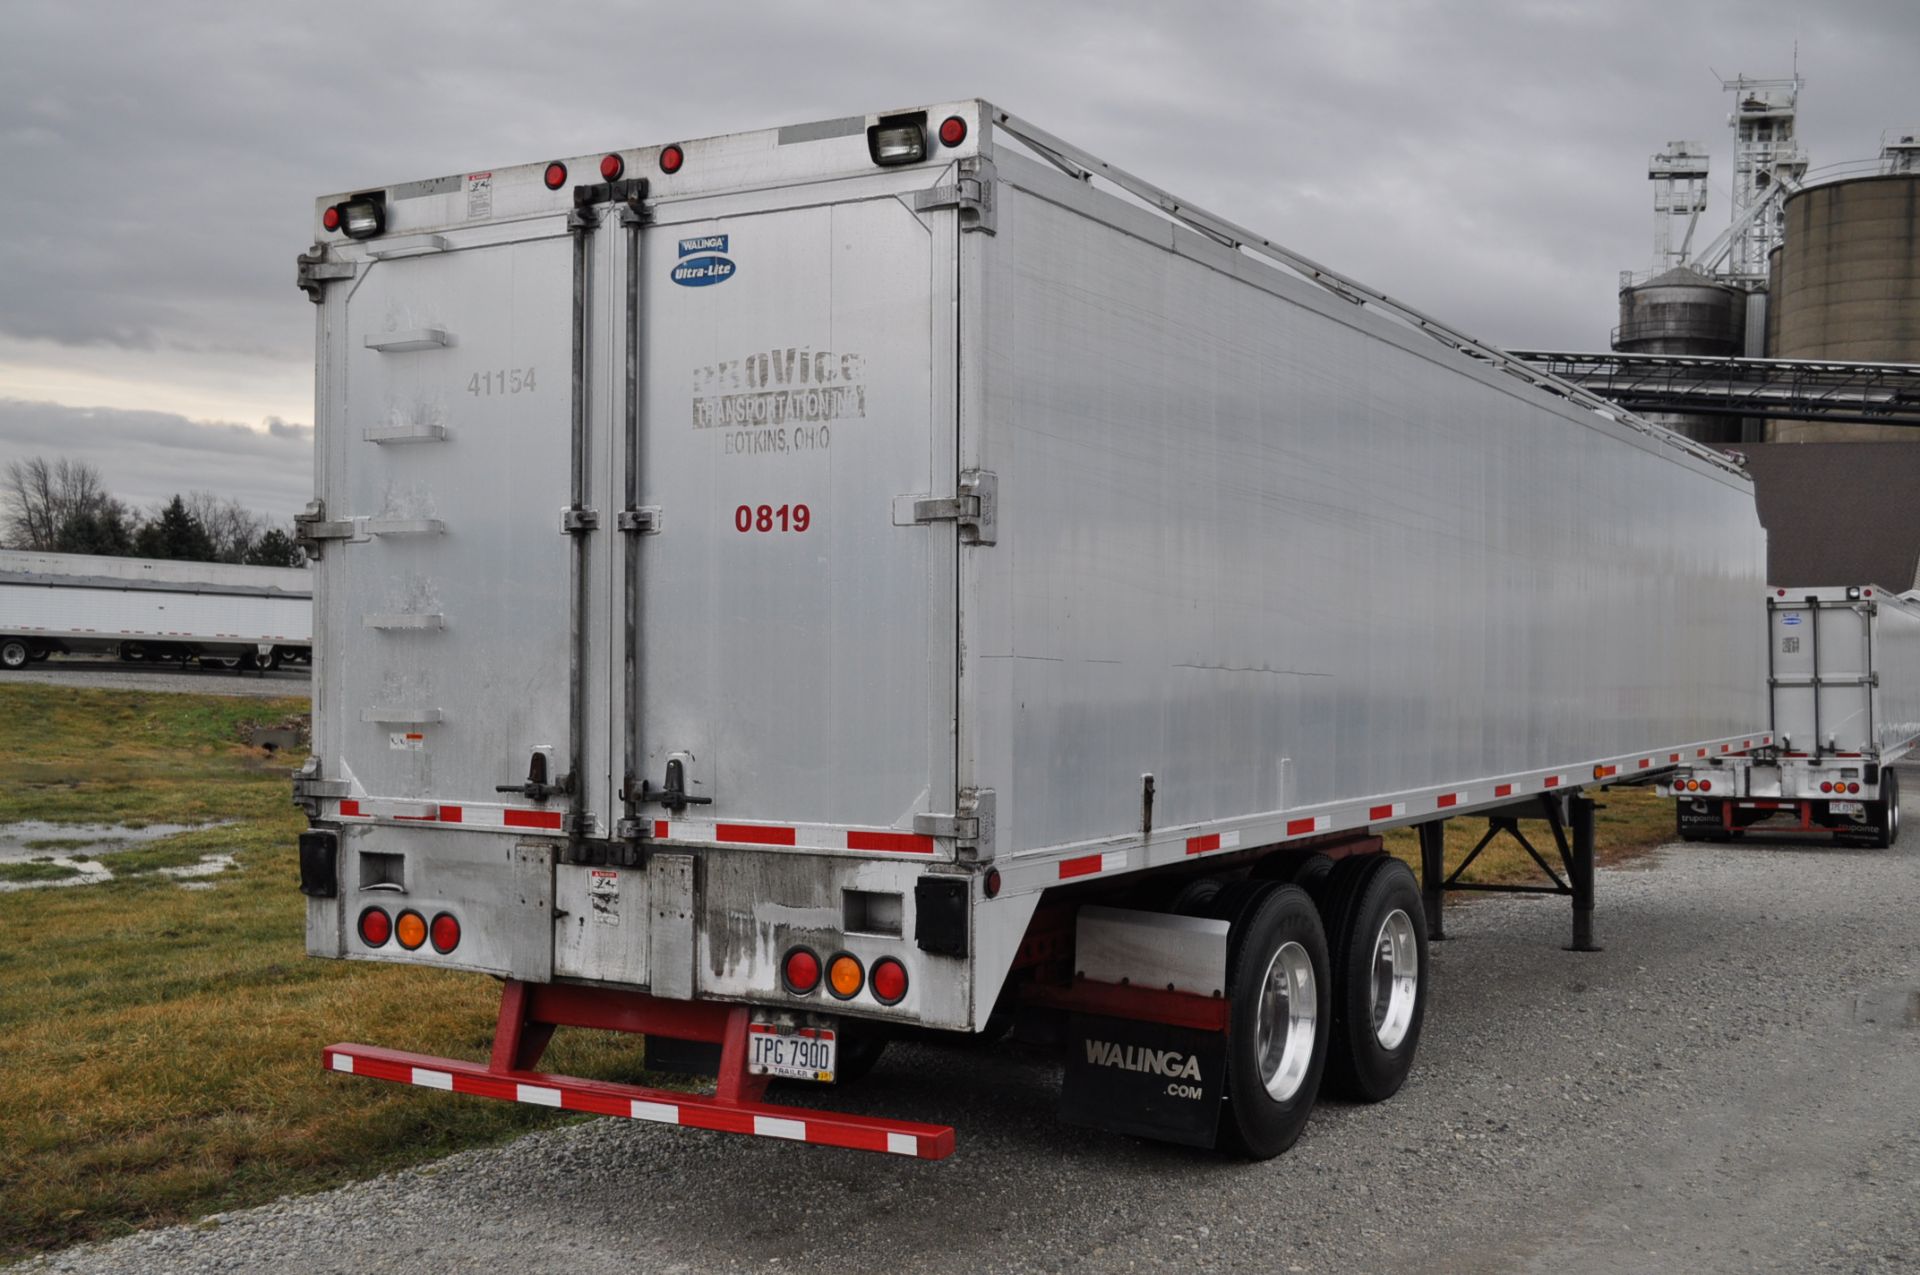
{"x": 801, "y": 970}
{"x": 375, "y": 927}
{"x": 556, "y": 175}
{"x": 844, "y": 976}
{"x": 953, "y": 131}
{"x": 331, "y": 218}
{"x": 671, "y": 158}
{"x": 889, "y": 981}
{"x": 611, "y": 166}
{"x": 411, "y": 930}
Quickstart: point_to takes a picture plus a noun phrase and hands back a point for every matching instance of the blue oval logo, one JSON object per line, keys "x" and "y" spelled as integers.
{"x": 698, "y": 272}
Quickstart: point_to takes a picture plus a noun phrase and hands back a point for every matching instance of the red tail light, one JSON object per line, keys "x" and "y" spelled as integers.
{"x": 556, "y": 175}
{"x": 953, "y": 131}
{"x": 1706, "y": 785}
{"x": 1853, "y": 787}
{"x": 1826, "y": 787}
{"x": 376, "y": 927}
{"x": 445, "y": 932}
{"x": 671, "y": 158}
{"x": 888, "y": 980}
{"x": 331, "y": 218}
{"x": 801, "y": 970}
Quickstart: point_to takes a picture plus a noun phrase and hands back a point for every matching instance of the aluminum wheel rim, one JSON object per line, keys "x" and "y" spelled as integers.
{"x": 1395, "y": 984}
{"x": 1287, "y": 1022}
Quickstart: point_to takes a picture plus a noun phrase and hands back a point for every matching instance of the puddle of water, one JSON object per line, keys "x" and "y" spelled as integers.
{"x": 84, "y": 848}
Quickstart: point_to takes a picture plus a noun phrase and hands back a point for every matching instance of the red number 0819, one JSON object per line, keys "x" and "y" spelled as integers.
{"x": 772, "y": 518}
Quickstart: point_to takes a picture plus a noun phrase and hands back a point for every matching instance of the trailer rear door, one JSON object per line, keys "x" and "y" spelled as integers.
{"x": 798, "y": 626}
{"x": 445, "y": 614}
{"x": 1822, "y": 664}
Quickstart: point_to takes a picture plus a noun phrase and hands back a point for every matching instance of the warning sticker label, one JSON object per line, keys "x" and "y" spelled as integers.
{"x": 408, "y": 741}
{"x": 603, "y": 895}
{"x": 479, "y": 195}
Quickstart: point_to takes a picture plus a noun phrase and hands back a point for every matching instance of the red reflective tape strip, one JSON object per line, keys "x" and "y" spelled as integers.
{"x": 1551, "y": 781}
{"x": 1645, "y": 762}
{"x": 1503, "y": 790}
{"x": 1085, "y": 866}
{"x": 350, "y": 808}
{"x": 531, "y": 818}
{"x": 660, "y": 828}
{"x": 893, "y": 842}
{"x": 1673, "y": 756}
{"x": 1295, "y": 827}
{"x": 451, "y": 814}
{"x": 1448, "y": 799}
{"x": 753, "y": 834}
{"x": 1726, "y": 748}
{"x": 1201, "y": 845}
{"x": 1699, "y": 752}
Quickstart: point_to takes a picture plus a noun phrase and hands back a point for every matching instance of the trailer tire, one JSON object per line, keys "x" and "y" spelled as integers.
{"x": 860, "y": 1050}
{"x": 1379, "y": 959}
{"x": 1883, "y": 828}
{"x": 1197, "y": 896}
{"x": 1278, "y": 997}
{"x": 15, "y": 653}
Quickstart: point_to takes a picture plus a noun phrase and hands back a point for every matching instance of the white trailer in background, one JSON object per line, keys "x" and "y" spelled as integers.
{"x": 1843, "y": 686}
{"x": 152, "y": 609}
{"x": 902, "y": 572}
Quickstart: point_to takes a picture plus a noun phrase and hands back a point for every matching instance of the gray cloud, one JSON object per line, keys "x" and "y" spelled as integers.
{"x": 145, "y": 457}
{"x": 1484, "y": 160}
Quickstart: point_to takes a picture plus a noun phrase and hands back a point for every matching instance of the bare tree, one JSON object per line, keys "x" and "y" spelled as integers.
{"x": 233, "y": 528}
{"x": 41, "y": 496}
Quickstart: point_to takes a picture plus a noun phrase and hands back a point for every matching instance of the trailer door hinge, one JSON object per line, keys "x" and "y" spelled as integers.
{"x": 970, "y": 827}
{"x": 971, "y": 193}
{"x": 313, "y": 272}
{"x": 311, "y": 528}
{"x": 576, "y": 521}
{"x": 309, "y": 787}
{"x": 975, "y": 509}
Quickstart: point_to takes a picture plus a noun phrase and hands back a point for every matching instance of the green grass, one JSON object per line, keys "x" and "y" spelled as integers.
{"x": 160, "y": 1047}
{"x": 37, "y": 871}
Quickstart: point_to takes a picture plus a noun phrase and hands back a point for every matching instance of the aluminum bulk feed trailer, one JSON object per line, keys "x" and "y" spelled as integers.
{"x": 151, "y": 609}
{"x": 1843, "y": 687}
{"x": 904, "y": 572}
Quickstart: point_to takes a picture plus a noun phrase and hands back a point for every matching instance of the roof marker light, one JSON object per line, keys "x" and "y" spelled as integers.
{"x": 611, "y": 166}
{"x": 331, "y": 218}
{"x": 953, "y": 131}
{"x": 671, "y": 158}
{"x": 556, "y": 175}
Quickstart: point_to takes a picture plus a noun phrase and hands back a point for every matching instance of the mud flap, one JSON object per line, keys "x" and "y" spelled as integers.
{"x": 1149, "y": 1079}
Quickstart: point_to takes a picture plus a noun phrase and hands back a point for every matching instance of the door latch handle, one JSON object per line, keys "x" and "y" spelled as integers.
{"x": 536, "y": 787}
{"x": 673, "y": 793}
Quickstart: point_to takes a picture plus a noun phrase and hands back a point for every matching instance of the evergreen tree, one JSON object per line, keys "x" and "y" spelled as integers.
{"x": 102, "y": 530}
{"x": 276, "y": 549}
{"x": 175, "y": 533}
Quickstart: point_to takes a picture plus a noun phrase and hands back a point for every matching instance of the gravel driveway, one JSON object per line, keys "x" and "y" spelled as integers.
{"x": 1732, "y": 1085}
{"x": 189, "y": 678}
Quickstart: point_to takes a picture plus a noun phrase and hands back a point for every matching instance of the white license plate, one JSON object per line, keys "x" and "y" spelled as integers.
{"x": 796, "y": 1053}
{"x": 1847, "y": 807}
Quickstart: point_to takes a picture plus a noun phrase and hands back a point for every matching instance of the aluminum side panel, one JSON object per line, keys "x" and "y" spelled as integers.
{"x": 1276, "y": 559}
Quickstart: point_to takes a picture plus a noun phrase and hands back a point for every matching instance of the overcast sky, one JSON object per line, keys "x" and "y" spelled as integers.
{"x": 1483, "y": 159}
